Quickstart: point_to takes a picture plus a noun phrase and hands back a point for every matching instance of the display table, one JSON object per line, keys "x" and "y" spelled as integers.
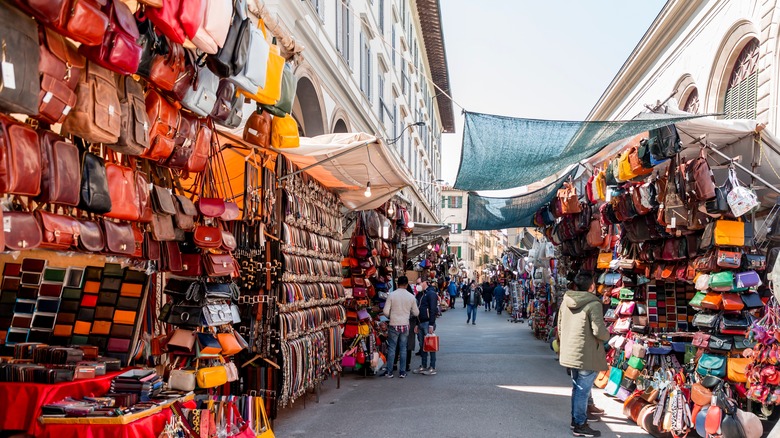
{"x": 149, "y": 426}
{"x": 20, "y": 403}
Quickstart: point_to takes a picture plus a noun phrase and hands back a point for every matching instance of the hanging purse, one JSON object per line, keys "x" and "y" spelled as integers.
{"x": 167, "y": 19}
{"x": 60, "y": 175}
{"x": 729, "y": 259}
{"x": 97, "y": 116}
{"x": 711, "y": 365}
{"x": 123, "y": 192}
{"x": 228, "y": 104}
{"x": 270, "y": 93}
{"x": 253, "y": 76}
{"x": 80, "y": 20}
{"x": 201, "y": 89}
{"x": 58, "y": 232}
{"x": 186, "y": 133}
{"x": 120, "y": 239}
{"x": 20, "y": 158}
{"x": 698, "y": 178}
{"x": 712, "y": 300}
{"x": 232, "y": 56}
{"x": 289, "y": 87}
{"x": 119, "y": 51}
{"x": 213, "y": 30}
{"x": 61, "y": 67}
{"x": 94, "y": 195}
{"x": 134, "y": 128}
{"x": 166, "y": 69}
{"x": 164, "y": 119}
{"x": 91, "y": 237}
{"x": 21, "y": 231}
{"x": 20, "y": 86}
{"x": 185, "y": 213}
{"x": 257, "y": 130}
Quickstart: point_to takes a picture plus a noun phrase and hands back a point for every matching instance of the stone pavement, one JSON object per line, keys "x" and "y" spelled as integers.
{"x": 494, "y": 380}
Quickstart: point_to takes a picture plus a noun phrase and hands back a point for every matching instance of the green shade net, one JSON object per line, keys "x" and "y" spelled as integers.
{"x": 486, "y": 213}
{"x": 506, "y": 152}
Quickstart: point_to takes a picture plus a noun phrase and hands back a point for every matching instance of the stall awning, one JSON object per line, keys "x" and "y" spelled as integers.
{"x": 504, "y": 152}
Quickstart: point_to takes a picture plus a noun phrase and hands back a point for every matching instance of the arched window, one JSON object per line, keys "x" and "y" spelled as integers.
{"x": 691, "y": 104}
{"x": 740, "y": 101}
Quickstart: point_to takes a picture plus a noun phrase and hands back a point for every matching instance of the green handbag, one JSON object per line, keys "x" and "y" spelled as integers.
{"x": 712, "y": 364}
{"x": 636, "y": 362}
{"x": 289, "y": 86}
{"x": 626, "y": 294}
{"x": 614, "y": 301}
{"x": 696, "y": 300}
{"x": 615, "y": 377}
{"x": 722, "y": 281}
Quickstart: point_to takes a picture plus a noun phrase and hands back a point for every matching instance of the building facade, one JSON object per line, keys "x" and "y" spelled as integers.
{"x": 710, "y": 56}
{"x": 366, "y": 68}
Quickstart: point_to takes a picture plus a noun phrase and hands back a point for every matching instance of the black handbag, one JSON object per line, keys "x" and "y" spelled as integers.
{"x": 21, "y": 56}
{"x": 734, "y": 321}
{"x": 721, "y": 343}
{"x": 742, "y": 342}
{"x": 752, "y": 300}
{"x": 718, "y": 204}
{"x": 185, "y": 315}
{"x": 232, "y": 56}
{"x": 182, "y": 289}
{"x": 664, "y": 142}
{"x": 94, "y": 195}
{"x": 152, "y": 45}
{"x": 222, "y": 291}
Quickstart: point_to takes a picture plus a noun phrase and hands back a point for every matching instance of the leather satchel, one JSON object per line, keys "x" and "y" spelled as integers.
{"x": 232, "y": 56}
{"x": 91, "y": 236}
{"x": 257, "y": 130}
{"x": 60, "y": 170}
{"x": 81, "y": 20}
{"x": 94, "y": 196}
{"x": 20, "y": 158}
{"x": 698, "y": 179}
{"x": 700, "y": 395}
{"x": 211, "y": 207}
{"x": 123, "y": 192}
{"x": 19, "y": 34}
{"x": 164, "y": 118}
{"x": 134, "y": 127}
{"x": 162, "y": 228}
{"x": 97, "y": 116}
{"x": 166, "y": 69}
{"x": 253, "y": 76}
{"x": 185, "y": 213}
{"x": 229, "y": 241}
{"x": 21, "y": 231}
{"x": 61, "y": 67}
{"x": 163, "y": 201}
{"x": 182, "y": 340}
{"x": 58, "y": 232}
{"x": 186, "y": 132}
{"x": 207, "y": 237}
{"x": 120, "y": 239}
{"x": 213, "y": 30}
{"x": 119, "y": 51}
{"x": 219, "y": 265}
{"x": 201, "y": 148}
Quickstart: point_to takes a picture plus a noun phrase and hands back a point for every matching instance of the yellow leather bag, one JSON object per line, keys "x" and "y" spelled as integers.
{"x": 263, "y": 429}
{"x": 272, "y": 91}
{"x": 364, "y": 329}
{"x": 729, "y": 233}
{"x": 603, "y": 260}
{"x": 737, "y": 369}
{"x": 625, "y": 173}
{"x": 601, "y": 186}
{"x": 284, "y": 133}
{"x": 211, "y": 377}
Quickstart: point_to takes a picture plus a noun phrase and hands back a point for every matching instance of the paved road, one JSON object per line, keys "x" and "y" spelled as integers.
{"x": 494, "y": 380}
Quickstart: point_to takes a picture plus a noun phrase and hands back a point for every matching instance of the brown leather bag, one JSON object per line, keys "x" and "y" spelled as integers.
{"x": 123, "y": 190}
{"x": 162, "y": 228}
{"x": 119, "y": 238}
{"x": 257, "y": 130}
{"x": 185, "y": 213}
{"x": 60, "y": 170}
{"x": 207, "y": 237}
{"x": 144, "y": 198}
{"x": 570, "y": 204}
{"x": 59, "y": 232}
{"x": 91, "y": 236}
{"x": 228, "y": 241}
{"x": 201, "y": 148}
{"x": 700, "y": 395}
{"x": 97, "y": 116}
{"x": 186, "y": 132}
{"x": 698, "y": 178}
{"x": 163, "y": 201}
{"x": 219, "y": 265}
{"x": 166, "y": 69}
{"x": 134, "y": 129}
{"x": 20, "y": 158}
{"x": 81, "y": 20}
{"x": 21, "y": 231}
{"x": 60, "y": 67}
{"x": 164, "y": 119}
{"x": 19, "y": 34}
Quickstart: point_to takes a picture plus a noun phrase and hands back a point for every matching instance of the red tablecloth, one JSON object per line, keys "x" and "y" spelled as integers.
{"x": 150, "y": 427}
{"x": 20, "y": 403}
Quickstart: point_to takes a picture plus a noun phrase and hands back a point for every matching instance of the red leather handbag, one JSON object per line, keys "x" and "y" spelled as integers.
{"x": 200, "y": 151}
{"x": 207, "y": 237}
{"x": 20, "y": 158}
{"x": 21, "y": 231}
{"x": 190, "y": 265}
{"x": 81, "y": 20}
{"x": 219, "y": 265}
{"x": 166, "y": 69}
{"x": 164, "y": 118}
{"x": 144, "y": 198}
{"x": 166, "y": 19}
{"x": 59, "y": 232}
{"x": 60, "y": 170}
{"x": 119, "y": 50}
{"x": 91, "y": 236}
{"x": 60, "y": 67}
{"x": 186, "y": 132}
{"x": 211, "y": 207}
{"x": 119, "y": 238}
{"x": 123, "y": 191}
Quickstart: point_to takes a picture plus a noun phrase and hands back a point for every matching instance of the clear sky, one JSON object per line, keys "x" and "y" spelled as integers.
{"x": 544, "y": 59}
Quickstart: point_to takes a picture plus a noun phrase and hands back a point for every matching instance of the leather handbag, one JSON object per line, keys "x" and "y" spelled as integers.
{"x": 712, "y": 364}
{"x": 257, "y": 130}
{"x": 229, "y": 344}
{"x": 737, "y": 369}
{"x": 729, "y": 233}
{"x": 185, "y": 213}
{"x": 722, "y": 281}
{"x": 91, "y": 236}
{"x": 60, "y": 170}
{"x": 706, "y": 321}
{"x": 756, "y": 262}
{"x": 164, "y": 118}
{"x": 58, "y": 232}
{"x": 21, "y": 82}
{"x": 61, "y": 67}
{"x": 207, "y": 237}
{"x": 732, "y": 301}
{"x": 97, "y": 117}
{"x": 197, "y": 90}
{"x": 208, "y": 345}
{"x": 119, "y": 238}
{"x": 162, "y": 201}
{"x": 21, "y": 231}
{"x": 94, "y": 196}
{"x": 720, "y": 343}
{"x": 211, "y": 207}
{"x": 166, "y": 69}
{"x": 166, "y": 19}
{"x": 211, "y": 377}
{"x": 752, "y": 300}
{"x": 231, "y": 57}
{"x": 213, "y": 30}
{"x": 119, "y": 50}
{"x": 182, "y": 380}
{"x": 698, "y": 178}
{"x": 134, "y": 127}
{"x": 122, "y": 189}
{"x": 20, "y": 158}
{"x": 701, "y": 340}
{"x": 252, "y": 77}
{"x": 289, "y": 87}
{"x": 712, "y": 300}
{"x": 201, "y": 148}
{"x": 219, "y": 265}
{"x": 152, "y": 44}
{"x": 700, "y": 395}
{"x": 225, "y": 106}
{"x": 186, "y": 132}
{"x": 182, "y": 340}
{"x": 747, "y": 279}
{"x": 189, "y": 265}
{"x": 229, "y": 242}
{"x": 734, "y": 324}
{"x": 81, "y": 20}
{"x": 162, "y": 228}
{"x": 270, "y": 93}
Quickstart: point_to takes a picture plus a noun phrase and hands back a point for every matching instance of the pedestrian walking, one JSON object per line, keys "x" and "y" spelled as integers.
{"x": 582, "y": 334}
{"x": 498, "y": 296}
{"x": 487, "y": 295}
{"x": 464, "y": 292}
{"x": 474, "y": 301}
{"x": 400, "y": 304}
{"x": 411, "y": 340}
{"x": 427, "y": 303}
{"x": 452, "y": 288}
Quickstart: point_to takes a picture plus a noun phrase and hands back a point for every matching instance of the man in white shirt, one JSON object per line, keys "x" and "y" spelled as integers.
{"x": 399, "y": 306}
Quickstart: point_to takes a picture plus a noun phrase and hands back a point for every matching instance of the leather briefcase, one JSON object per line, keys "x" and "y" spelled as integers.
{"x": 59, "y": 232}
{"x": 20, "y": 160}
{"x": 60, "y": 170}
{"x": 97, "y": 117}
{"x": 20, "y": 50}
{"x": 61, "y": 67}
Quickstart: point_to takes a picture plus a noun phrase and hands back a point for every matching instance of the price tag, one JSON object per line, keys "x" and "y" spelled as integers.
{"x": 47, "y": 97}
{"x": 7, "y": 224}
{"x": 66, "y": 110}
{"x": 252, "y": 131}
{"x": 111, "y": 110}
{"x": 674, "y": 222}
{"x": 9, "y": 78}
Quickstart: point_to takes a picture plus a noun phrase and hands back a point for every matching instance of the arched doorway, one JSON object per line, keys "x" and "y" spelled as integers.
{"x": 340, "y": 127}
{"x": 310, "y": 115}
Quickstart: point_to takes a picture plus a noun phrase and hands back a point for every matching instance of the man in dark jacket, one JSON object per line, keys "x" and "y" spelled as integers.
{"x": 498, "y": 295}
{"x": 428, "y": 303}
{"x": 487, "y": 295}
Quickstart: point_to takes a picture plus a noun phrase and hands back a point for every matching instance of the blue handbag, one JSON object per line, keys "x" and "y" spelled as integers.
{"x": 712, "y": 365}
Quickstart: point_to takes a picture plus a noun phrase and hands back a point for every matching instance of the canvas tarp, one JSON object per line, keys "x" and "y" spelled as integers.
{"x": 504, "y": 152}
